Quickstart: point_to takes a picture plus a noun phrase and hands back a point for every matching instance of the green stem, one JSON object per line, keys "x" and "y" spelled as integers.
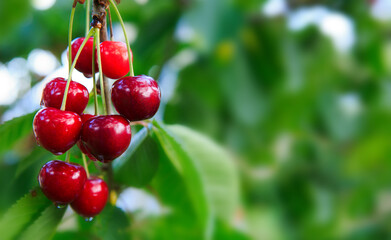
{"x": 126, "y": 37}
{"x": 70, "y": 36}
{"x": 64, "y": 100}
{"x": 67, "y": 157}
{"x": 85, "y": 164}
{"x": 88, "y": 8}
{"x": 93, "y": 80}
{"x": 110, "y": 25}
{"x": 102, "y": 85}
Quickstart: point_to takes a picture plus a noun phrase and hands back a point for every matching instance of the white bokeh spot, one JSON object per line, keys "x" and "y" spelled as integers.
{"x": 42, "y": 4}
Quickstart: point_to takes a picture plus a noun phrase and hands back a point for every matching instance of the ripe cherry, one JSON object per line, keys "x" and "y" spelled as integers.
{"x": 106, "y": 137}
{"x": 84, "y": 118}
{"x": 53, "y": 93}
{"x": 115, "y": 59}
{"x": 137, "y": 98}
{"x": 55, "y": 130}
{"x": 84, "y": 62}
{"x": 62, "y": 182}
{"x": 92, "y": 199}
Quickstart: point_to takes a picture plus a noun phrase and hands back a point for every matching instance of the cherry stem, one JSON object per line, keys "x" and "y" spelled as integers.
{"x": 85, "y": 164}
{"x": 88, "y": 8}
{"x": 110, "y": 25}
{"x": 102, "y": 85}
{"x": 126, "y": 37}
{"x": 70, "y": 36}
{"x": 64, "y": 100}
{"x": 67, "y": 157}
{"x": 93, "y": 79}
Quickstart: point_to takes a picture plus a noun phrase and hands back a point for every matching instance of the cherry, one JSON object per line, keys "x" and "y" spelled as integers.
{"x": 92, "y": 199}
{"x": 62, "y": 182}
{"x": 84, "y": 118}
{"x": 106, "y": 137}
{"x": 115, "y": 59}
{"x": 56, "y": 130}
{"x": 53, "y": 93}
{"x": 137, "y": 98}
{"x": 84, "y": 62}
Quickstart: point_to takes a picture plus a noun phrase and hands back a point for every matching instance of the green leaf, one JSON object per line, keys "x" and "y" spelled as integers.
{"x": 217, "y": 169}
{"x": 192, "y": 177}
{"x": 71, "y": 235}
{"x": 207, "y": 170}
{"x": 39, "y": 154}
{"x": 182, "y": 222}
{"x": 141, "y": 167}
{"x": 137, "y": 140}
{"x": 22, "y": 213}
{"x": 14, "y": 130}
{"x": 45, "y": 226}
{"x": 112, "y": 223}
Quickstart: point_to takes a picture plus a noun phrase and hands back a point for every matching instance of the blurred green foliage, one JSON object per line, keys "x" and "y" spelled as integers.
{"x": 308, "y": 168}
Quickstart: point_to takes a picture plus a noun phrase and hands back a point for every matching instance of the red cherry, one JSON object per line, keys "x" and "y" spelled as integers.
{"x": 92, "y": 199}
{"x": 137, "y": 98}
{"x": 106, "y": 137}
{"x": 84, "y": 62}
{"x": 62, "y": 182}
{"x": 53, "y": 93}
{"x": 55, "y": 130}
{"x": 84, "y": 118}
{"x": 115, "y": 60}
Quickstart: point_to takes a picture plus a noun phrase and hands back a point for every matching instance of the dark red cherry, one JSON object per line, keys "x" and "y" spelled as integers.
{"x": 115, "y": 60}
{"x": 106, "y": 137}
{"x": 84, "y": 118}
{"x": 55, "y": 130}
{"x": 137, "y": 98}
{"x": 53, "y": 93}
{"x": 62, "y": 182}
{"x": 92, "y": 199}
{"x": 84, "y": 62}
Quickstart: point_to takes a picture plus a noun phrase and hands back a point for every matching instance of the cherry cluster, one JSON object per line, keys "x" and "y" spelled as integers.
{"x": 61, "y": 123}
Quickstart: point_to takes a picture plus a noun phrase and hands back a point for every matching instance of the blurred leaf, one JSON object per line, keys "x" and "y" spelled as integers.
{"x": 71, "y": 235}
{"x": 216, "y": 168}
{"x": 39, "y": 154}
{"x": 187, "y": 169}
{"x": 211, "y": 22}
{"x": 223, "y": 231}
{"x": 141, "y": 167}
{"x": 23, "y": 212}
{"x": 178, "y": 218}
{"x": 45, "y": 226}
{"x": 14, "y": 130}
{"x": 112, "y": 224}
{"x": 207, "y": 170}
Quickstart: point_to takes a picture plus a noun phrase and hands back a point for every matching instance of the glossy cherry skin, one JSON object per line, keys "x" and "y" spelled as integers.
{"x": 84, "y": 118}
{"x": 53, "y": 93}
{"x": 115, "y": 60}
{"x": 106, "y": 137}
{"x": 136, "y": 98}
{"x": 84, "y": 62}
{"x": 62, "y": 182}
{"x": 92, "y": 199}
{"x": 55, "y": 130}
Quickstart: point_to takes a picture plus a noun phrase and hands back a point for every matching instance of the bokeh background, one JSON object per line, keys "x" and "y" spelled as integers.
{"x": 298, "y": 91}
